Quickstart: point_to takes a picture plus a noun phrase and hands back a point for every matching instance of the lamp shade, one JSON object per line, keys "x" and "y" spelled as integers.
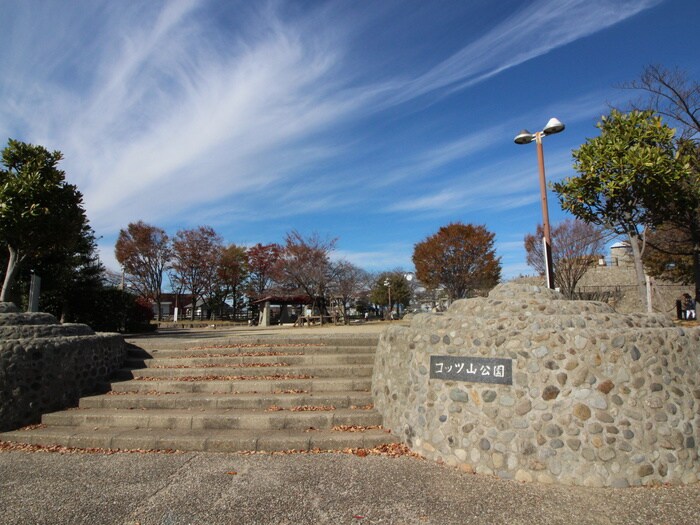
{"x": 553, "y": 126}
{"x": 524, "y": 137}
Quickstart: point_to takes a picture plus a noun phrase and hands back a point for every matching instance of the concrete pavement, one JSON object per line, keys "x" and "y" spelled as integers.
{"x": 201, "y": 488}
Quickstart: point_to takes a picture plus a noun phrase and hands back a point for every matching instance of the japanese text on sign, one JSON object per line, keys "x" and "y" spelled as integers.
{"x": 474, "y": 369}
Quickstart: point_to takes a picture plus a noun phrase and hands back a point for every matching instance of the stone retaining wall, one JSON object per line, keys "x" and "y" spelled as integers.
{"x": 597, "y": 398}
{"x": 46, "y": 366}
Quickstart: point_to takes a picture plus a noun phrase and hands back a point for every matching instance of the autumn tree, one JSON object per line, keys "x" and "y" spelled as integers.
{"x": 349, "y": 281}
{"x": 232, "y": 274}
{"x": 145, "y": 252}
{"x": 394, "y": 283}
{"x": 626, "y": 175}
{"x": 576, "y": 245}
{"x": 671, "y": 94}
{"x": 263, "y": 267}
{"x": 669, "y": 254}
{"x": 306, "y": 266}
{"x": 459, "y": 257}
{"x": 40, "y": 213}
{"x": 196, "y": 255}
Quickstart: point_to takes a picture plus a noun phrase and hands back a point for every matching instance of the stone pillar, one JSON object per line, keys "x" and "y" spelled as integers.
{"x": 265, "y": 315}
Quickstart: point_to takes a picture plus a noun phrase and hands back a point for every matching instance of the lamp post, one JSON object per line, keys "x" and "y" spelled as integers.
{"x": 387, "y": 283}
{"x": 525, "y": 137}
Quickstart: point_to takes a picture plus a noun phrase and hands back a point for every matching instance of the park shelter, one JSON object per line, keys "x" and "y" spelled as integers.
{"x": 281, "y": 309}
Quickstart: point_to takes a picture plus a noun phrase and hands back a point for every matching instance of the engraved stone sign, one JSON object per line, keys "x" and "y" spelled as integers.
{"x": 474, "y": 369}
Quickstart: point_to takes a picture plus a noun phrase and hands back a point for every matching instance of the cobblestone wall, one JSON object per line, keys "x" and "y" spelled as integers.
{"x": 46, "y": 366}
{"x": 597, "y": 398}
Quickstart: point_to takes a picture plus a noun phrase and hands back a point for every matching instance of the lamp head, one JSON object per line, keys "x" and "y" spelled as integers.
{"x": 524, "y": 137}
{"x": 553, "y": 126}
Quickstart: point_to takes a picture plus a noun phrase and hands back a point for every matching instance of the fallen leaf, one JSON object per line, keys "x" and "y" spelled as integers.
{"x": 309, "y": 408}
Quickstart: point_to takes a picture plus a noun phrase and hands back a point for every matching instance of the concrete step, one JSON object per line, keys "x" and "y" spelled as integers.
{"x": 157, "y": 342}
{"x": 211, "y": 441}
{"x": 267, "y": 349}
{"x": 312, "y": 371}
{"x": 289, "y": 359}
{"x": 227, "y": 401}
{"x": 246, "y": 385}
{"x": 227, "y": 395}
{"x": 204, "y": 419}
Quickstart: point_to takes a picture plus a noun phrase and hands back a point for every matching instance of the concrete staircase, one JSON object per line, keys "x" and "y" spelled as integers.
{"x": 223, "y": 395}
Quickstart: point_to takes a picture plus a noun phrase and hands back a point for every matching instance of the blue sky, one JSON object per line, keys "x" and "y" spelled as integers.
{"x": 375, "y": 122}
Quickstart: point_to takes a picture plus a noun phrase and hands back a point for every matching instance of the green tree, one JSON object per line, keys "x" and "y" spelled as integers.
{"x": 393, "y": 282}
{"x": 40, "y": 213}
{"x": 232, "y": 275}
{"x": 676, "y": 97}
{"x": 460, "y": 258}
{"x": 626, "y": 176}
{"x": 673, "y": 250}
{"x": 67, "y": 276}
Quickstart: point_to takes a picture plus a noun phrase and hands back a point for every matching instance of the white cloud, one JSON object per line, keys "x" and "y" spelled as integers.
{"x": 534, "y": 30}
{"x": 163, "y": 116}
{"x": 391, "y": 256}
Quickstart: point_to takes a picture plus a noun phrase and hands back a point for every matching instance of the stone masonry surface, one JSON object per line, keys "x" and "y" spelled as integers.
{"x": 597, "y": 398}
{"x": 46, "y": 366}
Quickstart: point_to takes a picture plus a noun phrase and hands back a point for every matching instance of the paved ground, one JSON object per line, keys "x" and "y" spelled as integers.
{"x": 199, "y": 488}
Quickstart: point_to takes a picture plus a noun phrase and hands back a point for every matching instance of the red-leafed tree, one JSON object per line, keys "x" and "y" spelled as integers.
{"x": 460, "y": 258}
{"x": 144, "y": 251}
{"x": 306, "y": 265}
{"x": 263, "y": 267}
{"x": 196, "y": 256}
{"x": 576, "y": 245}
{"x": 349, "y": 282}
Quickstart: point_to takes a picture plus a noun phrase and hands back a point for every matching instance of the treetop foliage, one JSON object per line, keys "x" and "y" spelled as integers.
{"x": 625, "y": 174}
{"x": 40, "y": 213}
{"x": 459, "y": 257}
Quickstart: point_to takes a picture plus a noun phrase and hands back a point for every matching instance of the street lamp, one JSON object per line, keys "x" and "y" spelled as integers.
{"x": 387, "y": 283}
{"x": 525, "y": 137}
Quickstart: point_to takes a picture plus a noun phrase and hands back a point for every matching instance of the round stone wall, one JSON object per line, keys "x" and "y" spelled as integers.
{"x": 47, "y": 366}
{"x": 588, "y": 397}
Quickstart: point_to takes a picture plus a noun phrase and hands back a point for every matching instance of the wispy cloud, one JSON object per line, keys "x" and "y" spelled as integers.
{"x": 532, "y": 31}
{"x": 165, "y": 115}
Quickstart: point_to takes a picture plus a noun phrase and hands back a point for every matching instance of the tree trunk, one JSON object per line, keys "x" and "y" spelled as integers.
{"x": 12, "y": 265}
{"x": 639, "y": 269}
